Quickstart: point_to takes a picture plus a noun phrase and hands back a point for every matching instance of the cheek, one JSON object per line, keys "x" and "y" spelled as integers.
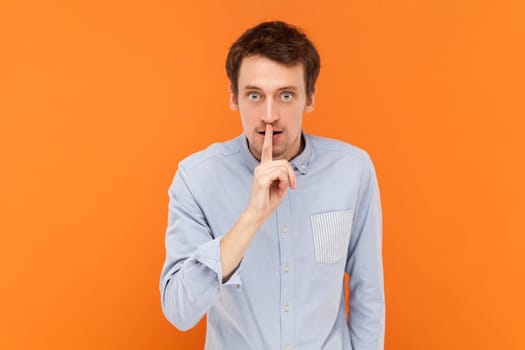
{"x": 246, "y": 122}
{"x": 248, "y": 126}
{"x": 296, "y": 117}
{"x": 247, "y": 114}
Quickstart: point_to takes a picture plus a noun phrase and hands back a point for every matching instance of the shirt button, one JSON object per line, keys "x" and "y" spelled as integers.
{"x": 284, "y": 229}
{"x": 286, "y": 308}
{"x": 286, "y": 268}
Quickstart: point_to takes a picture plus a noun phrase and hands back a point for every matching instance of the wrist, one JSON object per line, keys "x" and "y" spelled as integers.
{"x": 251, "y": 217}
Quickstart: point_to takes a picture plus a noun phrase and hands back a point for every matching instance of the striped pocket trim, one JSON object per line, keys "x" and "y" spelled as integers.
{"x": 331, "y": 231}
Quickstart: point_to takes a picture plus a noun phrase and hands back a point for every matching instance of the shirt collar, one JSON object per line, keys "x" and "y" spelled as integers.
{"x": 300, "y": 163}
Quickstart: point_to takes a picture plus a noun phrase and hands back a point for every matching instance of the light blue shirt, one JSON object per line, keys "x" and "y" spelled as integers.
{"x": 288, "y": 291}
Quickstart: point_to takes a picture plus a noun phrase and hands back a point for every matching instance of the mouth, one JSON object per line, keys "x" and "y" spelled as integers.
{"x": 275, "y": 132}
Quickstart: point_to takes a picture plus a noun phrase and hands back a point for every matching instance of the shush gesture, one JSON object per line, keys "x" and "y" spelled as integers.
{"x": 270, "y": 181}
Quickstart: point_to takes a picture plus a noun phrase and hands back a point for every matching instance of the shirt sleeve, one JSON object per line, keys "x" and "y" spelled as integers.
{"x": 191, "y": 278}
{"x": 365, "y": 267}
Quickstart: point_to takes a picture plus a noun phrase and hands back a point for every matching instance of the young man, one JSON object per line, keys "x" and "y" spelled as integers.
{"x": 262, "y": 228}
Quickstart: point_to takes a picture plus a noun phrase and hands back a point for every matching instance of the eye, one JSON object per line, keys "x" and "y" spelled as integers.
{"x": 254, "y": 96}
{"x": 286, "y": 96}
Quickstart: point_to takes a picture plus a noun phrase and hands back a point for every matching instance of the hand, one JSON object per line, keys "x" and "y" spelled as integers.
{"x": 270, "y": 181}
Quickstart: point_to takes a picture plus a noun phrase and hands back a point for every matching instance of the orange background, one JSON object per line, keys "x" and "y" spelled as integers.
{"x": 99, "y": 101}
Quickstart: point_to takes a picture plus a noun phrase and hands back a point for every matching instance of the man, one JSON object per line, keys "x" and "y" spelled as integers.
{"x": 262, "y": 228}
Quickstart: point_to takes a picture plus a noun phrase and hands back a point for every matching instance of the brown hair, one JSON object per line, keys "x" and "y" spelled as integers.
{"x": 280, "y": 42}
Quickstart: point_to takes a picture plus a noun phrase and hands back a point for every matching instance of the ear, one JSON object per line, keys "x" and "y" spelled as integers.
{"x": 310, "y": 103}
{"x": 234, "y": 102}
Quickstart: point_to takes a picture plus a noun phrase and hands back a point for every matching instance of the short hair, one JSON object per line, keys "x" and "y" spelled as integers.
{"x": 280, "y": 42}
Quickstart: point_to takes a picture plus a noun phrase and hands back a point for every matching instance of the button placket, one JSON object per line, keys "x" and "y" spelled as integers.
{"x": 285, "y": 237}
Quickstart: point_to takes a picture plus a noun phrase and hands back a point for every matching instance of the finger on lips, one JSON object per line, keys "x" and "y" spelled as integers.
{"x": 266, "y": 154}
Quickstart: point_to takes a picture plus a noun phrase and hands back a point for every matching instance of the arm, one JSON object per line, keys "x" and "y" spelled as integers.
{"x": 365, "y": 267}
{"x": 191, "y": 277}
{"x": 271, "y": 180}
{"x": 198, "y": 263}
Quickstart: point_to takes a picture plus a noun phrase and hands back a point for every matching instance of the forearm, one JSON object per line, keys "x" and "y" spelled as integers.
{"x": 191, "y": 288}
{"x": 234, "y": 244}
{"x": 188, "y": 291}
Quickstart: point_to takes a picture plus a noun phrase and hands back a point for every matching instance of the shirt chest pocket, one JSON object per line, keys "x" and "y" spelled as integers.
{"x": 331, "y": 233}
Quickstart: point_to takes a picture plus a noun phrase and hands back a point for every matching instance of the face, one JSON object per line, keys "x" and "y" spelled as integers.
{"x": 272, "y": 93}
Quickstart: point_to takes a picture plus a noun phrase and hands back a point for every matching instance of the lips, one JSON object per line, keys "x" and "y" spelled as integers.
{"x": 264, "y": 132}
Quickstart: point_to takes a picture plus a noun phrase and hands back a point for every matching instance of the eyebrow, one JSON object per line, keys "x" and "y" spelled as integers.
{"x": 253, "y": 87}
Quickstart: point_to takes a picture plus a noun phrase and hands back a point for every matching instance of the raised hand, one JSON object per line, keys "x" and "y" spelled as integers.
{"x": 271, "y": 180}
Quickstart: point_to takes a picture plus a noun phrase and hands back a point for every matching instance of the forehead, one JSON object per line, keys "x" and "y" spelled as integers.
{"x": 266, "y": 74}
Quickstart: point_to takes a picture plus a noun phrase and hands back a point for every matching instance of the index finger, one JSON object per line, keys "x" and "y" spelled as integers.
{"x": 266, "y": 152}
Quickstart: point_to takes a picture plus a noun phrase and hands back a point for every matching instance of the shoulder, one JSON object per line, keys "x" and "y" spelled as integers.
{"x": 213, "y": 154}
{"x": 334, "y": 147}
{"x": 342, "y": 158}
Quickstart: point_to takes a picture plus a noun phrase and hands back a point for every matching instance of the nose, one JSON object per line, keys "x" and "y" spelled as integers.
{"x": 270, "y": 114}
